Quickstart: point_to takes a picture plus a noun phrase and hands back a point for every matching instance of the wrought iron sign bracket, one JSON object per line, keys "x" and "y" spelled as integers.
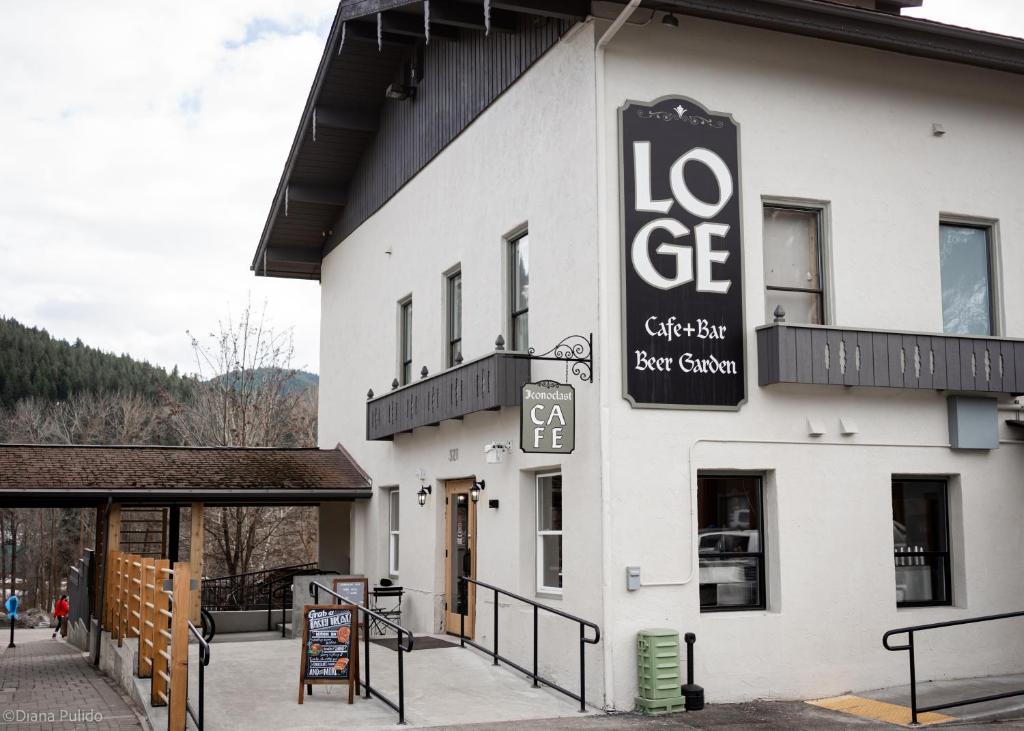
{"x": 576, "y": 351}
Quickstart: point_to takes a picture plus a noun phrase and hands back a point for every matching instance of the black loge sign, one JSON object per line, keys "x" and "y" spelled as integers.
{"x": 329, "y": 641}
{"x": 683, "y": 334}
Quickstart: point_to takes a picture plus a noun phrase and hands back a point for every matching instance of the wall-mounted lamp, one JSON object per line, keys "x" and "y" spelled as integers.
{"x": 421, "y": 496}
{"x": 400, "y": 92}
{"x": 670, "y": 20}
{"x": 474, "y": 492}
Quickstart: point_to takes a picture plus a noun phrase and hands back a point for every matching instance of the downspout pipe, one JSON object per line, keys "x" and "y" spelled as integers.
{"x": 604, "y": 361}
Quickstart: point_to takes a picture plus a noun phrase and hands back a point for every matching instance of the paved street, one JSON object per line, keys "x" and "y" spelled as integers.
{"x": 47, "y": 685}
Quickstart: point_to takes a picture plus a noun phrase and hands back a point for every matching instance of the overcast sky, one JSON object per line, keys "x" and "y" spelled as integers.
{"x": 141, "y": 147}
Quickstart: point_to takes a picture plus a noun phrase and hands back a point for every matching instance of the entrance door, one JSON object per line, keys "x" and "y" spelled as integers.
{"x": 460, "y": 555}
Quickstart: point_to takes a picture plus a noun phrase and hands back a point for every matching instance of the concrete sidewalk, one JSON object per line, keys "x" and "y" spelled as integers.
{"x": 49, "y": 684}
{"x": 254, "y": 685}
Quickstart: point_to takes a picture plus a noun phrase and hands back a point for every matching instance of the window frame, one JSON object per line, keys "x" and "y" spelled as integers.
{"x": 948, "y": 553}
{"x": 540, "y": 534}
{"x": 820, "y": 209}
{"x": 512, "y": 262}
{"x": 991, "y": 228}
{"x": 761, "y": 556}
{"x": 394, "y": 534}
{"x": 449, "y": 300}
{"x": 405, "y": 314}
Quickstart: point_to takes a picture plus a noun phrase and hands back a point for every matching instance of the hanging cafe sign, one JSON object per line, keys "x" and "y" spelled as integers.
{"x": 683, "y": 340}
{"x": 547, "y": 418}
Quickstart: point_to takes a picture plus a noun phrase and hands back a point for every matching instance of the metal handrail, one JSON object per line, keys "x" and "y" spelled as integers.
{"x": 404, "y": 642}
{"x": 909, "y": 647}
{"x": 204, "y": 660}
{"x": 537, "y": 679}
{"x": 250, "y": 590}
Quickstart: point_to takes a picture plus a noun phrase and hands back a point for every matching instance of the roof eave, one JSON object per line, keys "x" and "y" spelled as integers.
{"x": 870, "y": 28}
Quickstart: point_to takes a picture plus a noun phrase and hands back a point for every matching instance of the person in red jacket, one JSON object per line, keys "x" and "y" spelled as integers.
{"x": 60, "y": 612}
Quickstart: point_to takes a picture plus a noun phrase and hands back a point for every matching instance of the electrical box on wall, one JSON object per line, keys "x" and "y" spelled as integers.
{"x": 973, "y": 422}
{"x": 632, "y": 578}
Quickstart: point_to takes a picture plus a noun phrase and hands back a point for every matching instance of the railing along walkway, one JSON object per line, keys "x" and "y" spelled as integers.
{"x": 909, "y": 648}
{"x": 537, "y": 678}
{"x": 404, "y": 641}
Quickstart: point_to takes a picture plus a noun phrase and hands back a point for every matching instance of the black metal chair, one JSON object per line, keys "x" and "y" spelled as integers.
{"x": 386, "y": 601}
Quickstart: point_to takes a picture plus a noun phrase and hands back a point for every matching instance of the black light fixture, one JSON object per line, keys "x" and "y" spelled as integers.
{"x": 400, "y": 92}
{"x": 474, "y": 492}
{"x": 421, "y": 496}
{"x": 670, "y": 20}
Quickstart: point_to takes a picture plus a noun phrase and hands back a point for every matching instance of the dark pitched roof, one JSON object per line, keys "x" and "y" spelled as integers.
{"x": 82, "y": 475}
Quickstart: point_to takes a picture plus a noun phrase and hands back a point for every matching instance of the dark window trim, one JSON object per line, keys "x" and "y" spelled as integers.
{"x": 761, "y": 556}
{"x": 404, "y": 345}
{"x": 948, "y": 553}
{"x": 449, "y": 278}
{"x": 818, "y": 212}
{"x": 952, "y": 222}
{"x": 513, "y": 263}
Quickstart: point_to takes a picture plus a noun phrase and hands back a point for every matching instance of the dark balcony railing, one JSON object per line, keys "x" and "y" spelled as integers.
{"x": 816, "y": 354}
{"x": 485, "y": 384}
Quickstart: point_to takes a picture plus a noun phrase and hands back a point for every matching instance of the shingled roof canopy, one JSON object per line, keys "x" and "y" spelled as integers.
{"x": 80, "y": 476}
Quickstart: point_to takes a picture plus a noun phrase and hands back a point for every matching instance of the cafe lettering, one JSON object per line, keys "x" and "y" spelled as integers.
{"x": 683, "y": 343}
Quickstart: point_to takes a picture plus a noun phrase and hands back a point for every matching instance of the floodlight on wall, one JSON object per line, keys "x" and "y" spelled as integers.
{"x": 421, "y": 496}
{"x": 401, "y": 92}
{"x": 474, "y": 492}
{"x": 495, "y": 452}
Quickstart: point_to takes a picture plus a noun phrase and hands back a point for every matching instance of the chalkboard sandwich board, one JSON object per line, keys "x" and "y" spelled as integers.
{"x": 330, "y": 642}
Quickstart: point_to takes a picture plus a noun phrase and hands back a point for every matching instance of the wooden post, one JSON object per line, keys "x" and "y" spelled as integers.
{"x": 135, "y": 598}
{"x": 176, "y": 711}
{"x": 148, "y": 621}
{"x": 109, "y": 601}
{"x": 112, "y": 549}
{"x": 196, "y": 562}
{"x": 161, "y": 636}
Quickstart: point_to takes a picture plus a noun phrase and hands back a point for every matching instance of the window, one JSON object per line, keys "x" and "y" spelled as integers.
{"x": 920, "y": 531}
{"x": 730, "y": 542}
{"x": 792, "y": 264}
{"x": 519, "y": 290}
{"x": 549, "y": 533}
{"x": 965, "y": 260}
{"x": 393, "y": 531}
{"x": 454, "y": 327}
{"x": 405, "y": 341}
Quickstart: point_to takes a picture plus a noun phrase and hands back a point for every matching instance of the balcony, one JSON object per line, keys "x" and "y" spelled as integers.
{"x": 835, "y": 356}
{"x": 485, "y": 384}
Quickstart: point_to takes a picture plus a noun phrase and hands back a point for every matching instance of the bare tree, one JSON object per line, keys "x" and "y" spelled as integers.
{"x": 247, "y": 397}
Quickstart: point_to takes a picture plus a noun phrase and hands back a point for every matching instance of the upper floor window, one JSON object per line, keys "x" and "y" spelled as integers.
{"x": 920, "y": 530}
{"x": 966, "y": 261}
{"x": 453, "y": 302}
{"x": 792, "y": 264}
{"x": 519, "y": 290}
{"x": 405, "y": 341}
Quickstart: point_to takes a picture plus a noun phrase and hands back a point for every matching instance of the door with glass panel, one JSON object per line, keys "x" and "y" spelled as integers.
{"x": 460, "y": 556}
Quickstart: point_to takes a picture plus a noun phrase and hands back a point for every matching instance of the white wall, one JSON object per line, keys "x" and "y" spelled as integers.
{"x": 530, "y": 158}
{"x": 851, "y": 126}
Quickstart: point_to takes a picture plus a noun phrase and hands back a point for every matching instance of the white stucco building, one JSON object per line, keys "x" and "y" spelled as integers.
{"x": 852, "y": 472}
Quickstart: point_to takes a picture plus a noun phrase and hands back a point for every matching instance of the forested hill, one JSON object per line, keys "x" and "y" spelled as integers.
{"x": 33, "y": 364}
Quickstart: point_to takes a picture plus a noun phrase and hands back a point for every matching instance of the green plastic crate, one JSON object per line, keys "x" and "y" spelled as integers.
{"x": 658, "y": 671}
